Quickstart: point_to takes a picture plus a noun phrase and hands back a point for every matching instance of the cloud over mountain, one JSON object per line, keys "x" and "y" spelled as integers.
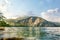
{"x": 52, "y": 15}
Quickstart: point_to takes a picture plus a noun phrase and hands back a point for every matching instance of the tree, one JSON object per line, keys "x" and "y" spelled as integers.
{"x": 2, "y": 20}
{"x": 1, "y": 17}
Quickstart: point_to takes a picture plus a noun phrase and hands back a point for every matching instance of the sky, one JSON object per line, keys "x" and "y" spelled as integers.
{"x": 47, "y": 9}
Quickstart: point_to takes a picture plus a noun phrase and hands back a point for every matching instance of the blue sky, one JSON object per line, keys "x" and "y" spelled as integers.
{"x": 16, "y": 8}
{"x": 36, "y": 6}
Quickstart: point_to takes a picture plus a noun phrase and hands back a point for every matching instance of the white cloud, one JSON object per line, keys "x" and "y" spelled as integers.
{"x": 52, "y": 15}
{"x": 6, "y": 1}
{"x": 8, "y": 14}
{"x": 4, "y": 7}
{"x": 24, "y": 13}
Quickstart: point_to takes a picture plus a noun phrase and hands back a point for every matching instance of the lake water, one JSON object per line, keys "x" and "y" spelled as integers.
{"x": 50, "y": 33}
{"x": 32, "y": 33}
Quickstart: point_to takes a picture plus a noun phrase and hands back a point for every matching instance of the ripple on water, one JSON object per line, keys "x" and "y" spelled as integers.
{"x": 50, "y": 33}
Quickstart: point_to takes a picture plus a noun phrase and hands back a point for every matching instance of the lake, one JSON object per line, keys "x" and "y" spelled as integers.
{"x": 32, "y": 33}
{"x": 50, "y": 33}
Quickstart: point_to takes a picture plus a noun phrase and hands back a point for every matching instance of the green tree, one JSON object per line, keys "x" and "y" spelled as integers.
{"x": 2, "y": 17}
{"x": 2, "y": 20}
{"x": 2, "y": 23}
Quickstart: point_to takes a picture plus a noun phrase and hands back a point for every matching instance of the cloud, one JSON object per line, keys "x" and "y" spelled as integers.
{"x": 52, "y": 15}
{"x": 24, "y": 13}
{"x": 4, "y": 7}
{"x": 6, "y": 1}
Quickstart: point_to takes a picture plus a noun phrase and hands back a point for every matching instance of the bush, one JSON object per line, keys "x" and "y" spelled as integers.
{"x": 2, "y": 23}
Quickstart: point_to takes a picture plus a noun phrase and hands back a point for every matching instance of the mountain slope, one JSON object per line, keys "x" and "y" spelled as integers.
{"x": 35, "y": 22}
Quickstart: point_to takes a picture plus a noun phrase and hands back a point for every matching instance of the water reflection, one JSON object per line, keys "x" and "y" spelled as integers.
{"x": 32, "y": 33}
{"x": 22, "y": 31}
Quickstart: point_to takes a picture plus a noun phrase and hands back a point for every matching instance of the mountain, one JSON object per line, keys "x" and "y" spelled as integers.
{"x": 57, "y": 23}
{"x": 34, "y": 22}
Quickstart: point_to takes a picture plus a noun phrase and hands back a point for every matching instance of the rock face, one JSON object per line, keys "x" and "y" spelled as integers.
{"x": 36, "y": 22}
